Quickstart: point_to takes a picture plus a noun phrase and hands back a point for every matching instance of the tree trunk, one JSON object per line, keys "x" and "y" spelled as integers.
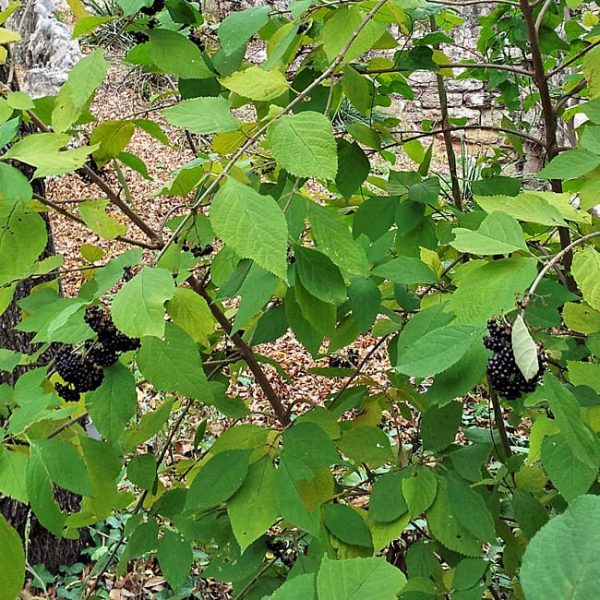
{"x": 42, "y": 546}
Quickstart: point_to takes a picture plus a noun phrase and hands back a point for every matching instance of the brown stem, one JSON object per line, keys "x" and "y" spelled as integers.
{"x": 500, "y": 423}
{"x": 541, "y": 82}
{"x": 246, "y": 352}
{"x": 564, "y": 65}
{"x": 450, "y": 155}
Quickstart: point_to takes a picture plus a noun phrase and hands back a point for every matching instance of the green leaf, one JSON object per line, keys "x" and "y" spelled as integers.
{"x": 113, "y": 137}
{"x": 473, "y": 513}
{"x": 65, "y": 466}
{"x": 202, "y": 115}
{"x": 191, "y": 312}
{"x": 238, "y": 27}
{"x": 446, "y": 527}
{"x": 491, "y": 289}
{"x": 114, "y": 403}
{"x": 319, "y": 275}
{"x": 365, "y": 301}
{"x": 173, "y": 53}
{"x": 437, "y": 350}
{"x": 141, "y": 471}
{"x": 13, "y": 470}
{"x": 173, "y": 364}
{"x": 529, "y": 512}
{"x": 359, "y": 579}
{"x": 149, "y": 425}
{"x": 439, "y": 426}
{"x": 591, "y": 71}
{"x": 387, "y": 502}
{"x": 22, "y": 239}
{"x": 584, "y": 373}
{"x": 586, "y": 270}
{"x": 44, "y": 151}
{"x": 524, "y": 348}
{"x": 407, "y": 270}
{"x": 253, "y": 508}
{"x": 14, "y": 186}
{"x": 12, "y": 575}
{"x": 174, "y": 558}
{"x": 218, "y": 479}
{"x": 425, "y": 192}
{"x": 561, "y": 561}
{"x": 374, "y": 217}
{"x": 334, "y": 239}
{"x": 342, "y": 25}
{"x": 41, "y": 497}
{"x": 581, "y": 317}
{"x": 257, "y": 84}
{"x": 138, "y": 308}
{"x": 93, "y": 212}
{"x": 570, "y": 164}
{"x": 582, "y": 441}
{"x": 571, "y": 477}
{"x": 419, "y": 490}
{"x": 252, "y": 225}
{"x": 499, "y": 233}
{"x": 303, "y": 144}
{"x": 353, "y": 167}
{"x": 308, "y": 443}
{"x": 347, "y": 525}
{"x": 321, "y": 315}
{"x": 366, "y": 444}
{"x": 529, "y": 207}
{"x": 74, "y": 96}
{"x": 301, "y": 586}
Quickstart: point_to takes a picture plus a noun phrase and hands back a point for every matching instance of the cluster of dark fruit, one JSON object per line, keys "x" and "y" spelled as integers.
{"x": 283, "y": 550}
{"x": 153, "y": 9}
{"x": 82, "y": 372}
{"x": 198, "y": 251}
{"x": 345, "y": 363}
{"x": 504, "y": 375}
{"x": 139, "y": 37}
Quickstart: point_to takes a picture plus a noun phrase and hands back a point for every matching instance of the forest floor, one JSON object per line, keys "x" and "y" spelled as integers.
{"x": 120, "y": 98}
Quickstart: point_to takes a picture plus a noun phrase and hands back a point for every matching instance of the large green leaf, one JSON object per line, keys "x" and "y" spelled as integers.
{"x": 353, "y": 167}
{"x": 491, "y": 289}
{"x": 586, "y": 270}
{"x": 334, "y": 239}
{"x": 253, "y": 508}
{"x": 347, "y": 525}
{"x": 499, "y": 233}
{"x": 303, "y": 145}
{"x": 387, "y": 501}
{"x": 301, "y": 586}
{"x": 342, "y": 25}
{"x": 12, "y": 575}
{"x": 93, "y": 212}
{"x": 437, "y": 350}
{"x": 238, "y": 27}
{"x": 419, "y": 490}
{"x": 138, "y": 308}
{"x": 173, "y": 53}
{"x": 191, "y": 312}
{"x": 14, "y": 186}
{"x": 202, "y": 115}
{"x": 366, "y": 444}
{"x": 73, "y": 97}
{"x": 65, "y": 466}
{"x": 319, "y": 275}
{"x": 22, "y": 239}
{"x": 407, "y": 270}
{"x": 220, "y": 478}
{"x": 114, "y": 402}
{"x": 571, "y": 477}
{"x": 175, "y": 558}
{"x": 529, "y": 207}
{"x": 359, "y": 579}
{"x": 561, "y": 561}
{"x": 570, "y": 164}
{"x": 45, "y": 152}
{"x": 113, "y": 137}
{"x": 173, "y": 364}
{"x": 591, "y": 71}
{"x": 257, "y": 84}
{"x": 252, "y": 225}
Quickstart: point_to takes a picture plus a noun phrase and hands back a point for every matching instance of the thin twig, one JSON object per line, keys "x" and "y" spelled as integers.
{"x": 564, "y": 65}
{"x": 509, "y": 68}
{"x": 500, "y": 423}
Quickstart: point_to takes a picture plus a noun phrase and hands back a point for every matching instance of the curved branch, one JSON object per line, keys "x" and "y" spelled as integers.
{"x": 494, "y": 66}
{"x": 564, "y": 65}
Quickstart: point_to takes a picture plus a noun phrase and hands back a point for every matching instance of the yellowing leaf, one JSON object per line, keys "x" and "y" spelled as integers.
{"x": 257, "y": 84}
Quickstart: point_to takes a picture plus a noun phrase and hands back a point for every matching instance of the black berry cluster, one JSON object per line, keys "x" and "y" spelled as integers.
{"x": 139, "y": 37}
{"x": 153, "y": 9}
{"x": 79, "y": 371}
{"x": 504, "y": 375}
{"x": 82, "y": 371}
{"x": 198, "y": 251}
